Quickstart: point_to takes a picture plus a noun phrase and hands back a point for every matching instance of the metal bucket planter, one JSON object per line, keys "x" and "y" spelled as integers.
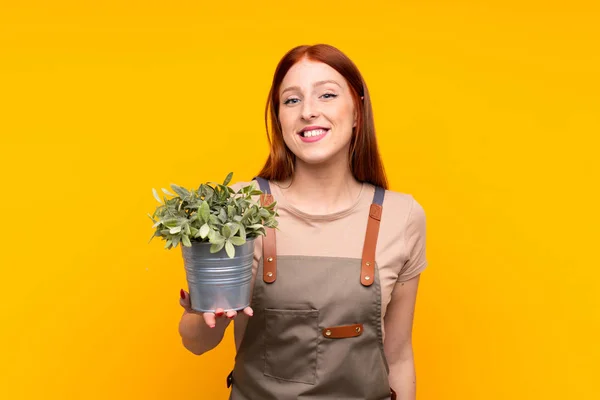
{"x": 217, "y": 281}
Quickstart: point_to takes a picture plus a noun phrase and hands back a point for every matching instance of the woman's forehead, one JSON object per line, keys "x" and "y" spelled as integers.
{"x": 306, "y": 74}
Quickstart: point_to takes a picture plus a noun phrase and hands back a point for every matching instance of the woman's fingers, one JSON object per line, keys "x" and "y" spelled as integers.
{"x": 210, "y": 319}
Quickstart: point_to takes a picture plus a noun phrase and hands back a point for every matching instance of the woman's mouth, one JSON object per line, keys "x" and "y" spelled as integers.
{"x": 313, "y": 135}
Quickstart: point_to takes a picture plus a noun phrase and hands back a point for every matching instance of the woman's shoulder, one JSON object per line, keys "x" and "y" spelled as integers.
{"x": 403, "y": 205}
{"x": 399, "y": 200}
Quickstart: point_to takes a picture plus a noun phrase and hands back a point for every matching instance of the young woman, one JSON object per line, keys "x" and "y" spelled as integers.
{"x": 335, "y": 287}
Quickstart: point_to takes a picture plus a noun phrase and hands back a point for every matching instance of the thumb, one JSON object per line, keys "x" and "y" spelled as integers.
{"x": 184, "y": 300}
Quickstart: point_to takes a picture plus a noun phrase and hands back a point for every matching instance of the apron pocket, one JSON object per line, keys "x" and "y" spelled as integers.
{"x": 291, "y": 338}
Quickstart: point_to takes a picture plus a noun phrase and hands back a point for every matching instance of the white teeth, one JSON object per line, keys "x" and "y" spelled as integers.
{"x": 315, "y": 132}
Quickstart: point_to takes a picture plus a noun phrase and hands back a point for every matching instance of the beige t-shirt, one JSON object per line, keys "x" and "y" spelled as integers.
{"x": 400, "y": 252}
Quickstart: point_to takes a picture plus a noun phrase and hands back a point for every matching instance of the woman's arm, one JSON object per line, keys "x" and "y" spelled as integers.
{"x": 398, "y": 349}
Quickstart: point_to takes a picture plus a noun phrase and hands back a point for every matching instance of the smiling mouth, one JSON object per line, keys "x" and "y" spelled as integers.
{"x": 313, "y": 133}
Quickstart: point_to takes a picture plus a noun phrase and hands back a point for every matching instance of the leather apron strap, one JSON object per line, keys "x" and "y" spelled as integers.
{"x": 269, "y": 246}
{"x": 367, "y": 269}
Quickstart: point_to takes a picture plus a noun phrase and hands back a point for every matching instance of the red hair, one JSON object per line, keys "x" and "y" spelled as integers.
{"x": 365, "y": 161}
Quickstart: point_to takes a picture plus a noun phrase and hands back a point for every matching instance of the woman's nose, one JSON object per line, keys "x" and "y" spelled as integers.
{"x": 309, "y": 110}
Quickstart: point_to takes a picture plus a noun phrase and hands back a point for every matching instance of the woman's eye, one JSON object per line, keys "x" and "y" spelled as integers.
{"x": 326, "y": 95}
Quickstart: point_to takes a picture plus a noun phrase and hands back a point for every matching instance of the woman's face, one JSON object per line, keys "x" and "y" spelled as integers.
{"x": 316, "y": 112}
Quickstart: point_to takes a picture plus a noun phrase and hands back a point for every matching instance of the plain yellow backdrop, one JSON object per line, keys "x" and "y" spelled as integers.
{"x": 486, "y": 111}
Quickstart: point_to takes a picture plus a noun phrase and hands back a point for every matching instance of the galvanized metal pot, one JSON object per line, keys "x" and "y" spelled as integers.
{"x": 217, "y": 281}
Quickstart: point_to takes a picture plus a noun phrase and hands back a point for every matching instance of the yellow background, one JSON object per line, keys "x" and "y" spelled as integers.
{"x": 487, "y": 112}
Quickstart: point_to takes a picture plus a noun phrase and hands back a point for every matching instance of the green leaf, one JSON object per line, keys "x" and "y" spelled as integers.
{"x": 175, "y": 241}
{"x": 246, "y": 215}
{"x": 226, "y": 231}
{"x": 204, "y": 231}
{"x": 216, "y": 247}
{"x": 182, "y": 192}
{"x": 242, "y": 232}
{"x": 186, "y": 241}
{"x": 228, "y": 179}
{"x": 224, "y": 191}
{"x": 170, "y": 222}
{"x": 177, "y": 229}
{"x": 229, "y": 249}
{"x": 238, "y": 241}
{"x": 204, "y": 211}
{"x": 218, "y": 238}
{"x": 155, "y": 193}
{"x": 206, "y": 191}
{"x": 222, "y": 215}
{"x": 168, "y": 244}
{"x": 234, "y": 228}
{"x": 211, "y": 235}
{"x": 165, "y": 191}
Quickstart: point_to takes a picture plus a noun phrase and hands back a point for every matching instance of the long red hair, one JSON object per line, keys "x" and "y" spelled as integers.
{"x": 365, "y": 161}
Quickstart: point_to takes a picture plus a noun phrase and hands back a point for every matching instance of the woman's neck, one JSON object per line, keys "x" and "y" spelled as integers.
{"x": 322, "y": 188}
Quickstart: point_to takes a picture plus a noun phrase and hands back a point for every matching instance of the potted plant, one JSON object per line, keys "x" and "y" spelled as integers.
{"x": 217, "y": 228}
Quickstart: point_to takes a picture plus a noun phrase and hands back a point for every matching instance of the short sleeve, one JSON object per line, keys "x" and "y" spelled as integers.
{"x": 414, "y": 240}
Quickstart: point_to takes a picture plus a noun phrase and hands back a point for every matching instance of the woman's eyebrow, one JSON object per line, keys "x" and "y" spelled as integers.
{"x": 314, "y": 85}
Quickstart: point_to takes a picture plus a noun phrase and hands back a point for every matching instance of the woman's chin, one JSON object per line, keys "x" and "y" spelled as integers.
{"x": 315, "y": 158}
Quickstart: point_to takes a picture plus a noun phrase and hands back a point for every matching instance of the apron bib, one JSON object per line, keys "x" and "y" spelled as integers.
{"x": 316, "y": 328}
